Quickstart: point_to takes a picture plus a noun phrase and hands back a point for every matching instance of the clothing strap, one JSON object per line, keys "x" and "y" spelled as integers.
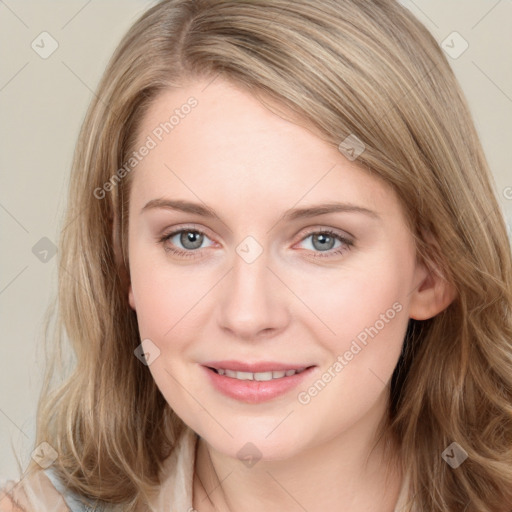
{"x": 75, "y": 502}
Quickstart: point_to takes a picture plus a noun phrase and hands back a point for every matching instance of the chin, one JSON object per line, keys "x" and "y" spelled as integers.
{"x": 251, "y": 442}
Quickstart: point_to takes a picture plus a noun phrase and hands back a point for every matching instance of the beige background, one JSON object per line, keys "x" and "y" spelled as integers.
{"x": 43, "y": 101}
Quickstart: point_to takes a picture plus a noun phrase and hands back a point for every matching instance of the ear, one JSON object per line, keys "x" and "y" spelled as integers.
{"x": 432, "y": 295}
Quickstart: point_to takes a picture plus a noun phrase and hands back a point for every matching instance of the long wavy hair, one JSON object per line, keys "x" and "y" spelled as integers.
{"x": 343, "y": 67}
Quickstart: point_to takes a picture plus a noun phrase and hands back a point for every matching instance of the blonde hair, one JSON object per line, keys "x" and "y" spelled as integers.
{"x": 344, "y": 67}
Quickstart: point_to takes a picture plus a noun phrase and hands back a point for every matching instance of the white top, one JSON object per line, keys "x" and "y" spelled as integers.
{"x": 175, "y": 493}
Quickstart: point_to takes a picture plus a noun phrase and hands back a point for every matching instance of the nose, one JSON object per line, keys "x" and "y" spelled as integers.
{"x": 254, "y": 303}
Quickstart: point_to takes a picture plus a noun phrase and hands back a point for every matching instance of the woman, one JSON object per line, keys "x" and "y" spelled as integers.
{"x": 284, "y": 274}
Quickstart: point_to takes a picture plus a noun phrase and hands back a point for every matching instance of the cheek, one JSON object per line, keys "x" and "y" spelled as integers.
{"x": 365, "y": 311}
{"x": 352, "y": 383}
{"x": 369, "y": 310}
{"x": 354, "y": 380}
{"x": 164, "y": 294}
{"x": 168, "y": 301}
{"x": 361, "y": 300}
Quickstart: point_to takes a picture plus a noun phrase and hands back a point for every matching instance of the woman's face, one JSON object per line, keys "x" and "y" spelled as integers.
{"x": 257, "y": 286}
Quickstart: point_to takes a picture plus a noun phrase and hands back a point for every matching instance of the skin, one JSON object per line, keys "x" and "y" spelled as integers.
{"x": 251, "y": 166}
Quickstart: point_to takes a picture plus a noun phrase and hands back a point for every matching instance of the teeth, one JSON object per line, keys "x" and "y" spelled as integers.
{"x": 259, "y": 376}
{"x": 244, "y": 375}
{"x": 263, "y": 376}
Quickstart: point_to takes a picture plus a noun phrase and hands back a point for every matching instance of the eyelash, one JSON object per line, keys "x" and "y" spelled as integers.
{"x": 347, "y": 244}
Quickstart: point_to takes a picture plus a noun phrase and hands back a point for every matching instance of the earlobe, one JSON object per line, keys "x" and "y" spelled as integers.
{"x": 433, "y": 294}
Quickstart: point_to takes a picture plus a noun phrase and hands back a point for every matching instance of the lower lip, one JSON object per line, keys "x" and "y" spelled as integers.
{"x": 253, "y": 391}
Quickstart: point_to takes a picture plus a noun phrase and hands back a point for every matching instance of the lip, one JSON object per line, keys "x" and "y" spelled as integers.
{"x": 252, "y": 391}
{"x": 263, "y": 366}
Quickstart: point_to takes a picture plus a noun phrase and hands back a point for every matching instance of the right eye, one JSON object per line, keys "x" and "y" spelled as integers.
{"x": 190, "y": 239}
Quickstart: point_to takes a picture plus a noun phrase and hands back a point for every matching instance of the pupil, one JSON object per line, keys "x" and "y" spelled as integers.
{"x": 324, "y": 240}
{"x": 191, "y": 237}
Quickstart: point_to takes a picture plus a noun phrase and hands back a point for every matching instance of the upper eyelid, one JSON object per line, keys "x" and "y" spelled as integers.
{"x": 174, "y": 231}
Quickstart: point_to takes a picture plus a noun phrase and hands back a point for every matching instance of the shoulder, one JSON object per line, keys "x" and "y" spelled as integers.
{"x": 32, "y": 492}
{"x": 6, "y": 503}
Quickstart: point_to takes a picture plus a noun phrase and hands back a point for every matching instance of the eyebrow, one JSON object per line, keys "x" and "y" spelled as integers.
{"x": 293, "y": 214}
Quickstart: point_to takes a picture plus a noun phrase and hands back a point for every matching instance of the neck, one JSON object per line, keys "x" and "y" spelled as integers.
{"x": 350, "y": 471}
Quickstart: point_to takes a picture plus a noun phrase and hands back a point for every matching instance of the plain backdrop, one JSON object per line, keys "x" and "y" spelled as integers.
{"x": 43, "y": 102}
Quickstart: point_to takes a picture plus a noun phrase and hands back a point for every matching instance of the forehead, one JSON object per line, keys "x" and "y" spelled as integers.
{"x": 219, "y": 143}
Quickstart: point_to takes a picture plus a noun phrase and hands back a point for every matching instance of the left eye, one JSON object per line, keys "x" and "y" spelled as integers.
{"x": 324, "y": 241}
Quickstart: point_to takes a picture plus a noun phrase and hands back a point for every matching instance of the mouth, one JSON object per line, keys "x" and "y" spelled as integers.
{"x": 259, "y": 376}
{"x": 255, "y": 382}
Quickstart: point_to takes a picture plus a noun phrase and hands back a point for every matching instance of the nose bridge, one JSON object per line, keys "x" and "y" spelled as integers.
{"x": 251, "y": 302}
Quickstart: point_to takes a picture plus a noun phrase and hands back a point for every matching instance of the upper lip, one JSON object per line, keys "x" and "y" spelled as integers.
{"x": 258, "y": 367}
